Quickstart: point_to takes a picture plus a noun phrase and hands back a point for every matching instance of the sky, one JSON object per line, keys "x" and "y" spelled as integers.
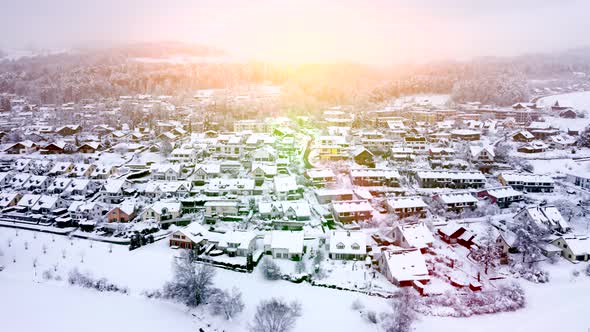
{"x": 370, "y": 31}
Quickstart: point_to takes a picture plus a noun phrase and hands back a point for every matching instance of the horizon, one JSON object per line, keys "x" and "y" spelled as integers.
{"x": 378, "y": 32}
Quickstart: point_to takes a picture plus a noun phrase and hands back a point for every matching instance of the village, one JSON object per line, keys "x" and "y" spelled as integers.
{"x": 415, "y": 195}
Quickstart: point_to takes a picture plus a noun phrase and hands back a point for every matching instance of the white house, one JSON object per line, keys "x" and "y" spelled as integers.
{"x": 354, "y": 210}
{"x": 544, "y": 216}
{"x": 415, "y": 235}
{"x": 348, "y": 245}
{"x": 407, "y": 206}
{"x": 284, "y": 244}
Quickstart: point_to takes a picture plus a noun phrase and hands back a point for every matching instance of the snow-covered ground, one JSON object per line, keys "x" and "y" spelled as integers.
{"x": 577, "y": 100}
{"x": 30, "y": 303}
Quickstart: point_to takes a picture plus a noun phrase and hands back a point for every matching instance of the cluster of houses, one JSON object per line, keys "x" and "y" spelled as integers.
{"x": 269, "y": 186}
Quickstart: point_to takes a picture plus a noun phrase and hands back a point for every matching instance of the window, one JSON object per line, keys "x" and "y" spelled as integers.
{"x": 340, "y": 245}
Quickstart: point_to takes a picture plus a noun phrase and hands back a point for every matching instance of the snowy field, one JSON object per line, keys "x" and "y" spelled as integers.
{"x": 25, "y": 292}
{"x": 577, "y": 100}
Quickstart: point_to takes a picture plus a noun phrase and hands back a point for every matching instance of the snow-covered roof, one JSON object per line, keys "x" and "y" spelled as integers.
{"x": 285, "y": 183}
{"x": 374, "y": 172}
{"x": 292, "y": 241}
{"x": 579, "y": 245}
{"x": 113, "y": 186}
{"x": 348, "y": 242}
{"x": 526, "y": 178}
{"x": 351, "y": 206}
{"x": 503, "y": 192}
{"x": 172, "y": 207}
{"x": 209, "y": 168}
{"x": 547, "y": 215}
{"x": 472, "y": 175}
{"x": 320, "y": 173}
{"x": 416, "y": 235}
{"x": 406, "y": 265}
{"x": 454, "y": 198}
{"x": 46, "y": 202}
{"x": 28, "y": 200}
{"x": 405, "y": 202}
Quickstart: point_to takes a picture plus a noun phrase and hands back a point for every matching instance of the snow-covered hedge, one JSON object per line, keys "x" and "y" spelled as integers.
{"x": 508, "y": 297}
{"x": 85, "y": 280}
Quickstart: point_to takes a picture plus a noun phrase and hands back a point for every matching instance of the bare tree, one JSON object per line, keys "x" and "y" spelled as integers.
{"x": 488, "y": 252}
{"x": 227, "y": 303}
{"x": 190, "y": 285}
{"x": 275, "y": 315}
{"x": 403, "y": 315}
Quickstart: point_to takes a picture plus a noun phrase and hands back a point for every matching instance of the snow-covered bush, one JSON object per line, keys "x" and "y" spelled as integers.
{"x": 86, "y": 280}
{"x": 270, "y": 269}
{"x": 275, "y": 315}
{"x": 357, "y": 305}
{"x": 371, "y": 317}
{"x": 226, "y": 303}
{"x": 588, "y": 270}
{"x": 530, "y": 273}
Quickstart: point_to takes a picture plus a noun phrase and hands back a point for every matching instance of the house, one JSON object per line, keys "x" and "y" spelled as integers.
{"x": 80, "y": 187}
{"x": 23, "y": 147}
{"x": 263, "y": 154}
{"x": 68, "y": 130}
{"x": 82, "y": 170}
{"x": 224, "y": 187}
{"x": 404, "y": 267}
{"x": 103, "y": 172}
{"x": 375, "y": 177}
{"x": 542, "y": 130}
{"x": 113, "y": 190}
{"x": 9, "y": 199}
{"x": 204, "y": 172}
{"x": 579, "y": 178}
{"x": 263, "y": 171}
{"x": 221, "y": 209}
{"x": 61, "y": 168}
{"x": 183, "y": 156}
{"x": 450, "y": 179}
{"x": 166, "y": 172}
{"x": 290, "y": 210}
{"x": 155, "y": 190}
{"x": 23, "y": 165}
{"x": 5, "y": 178}
{"x": 234, "y": 243}
{"x": 413, "y": 235}
{"x": 86, "y": 212}
{"x": 348, "y": 245}
{"x": 403, "y": 154}
{"x": 286, "y": 188}
{"x": 162, "y": 212}
{"x": 523, "y": 136}
{"x": 352, "y": 211}
{"x": 441, "y": 153}
{"x": 123, "y": 212}
{"x": 363, "y": 157}
{"x": 574, "y": 248}
{"x": 45, "y": 204}
{"x": 59, "y": 185}
{"x": 320, "y": 177}
{"x": 28, "y": 201}
{"x": 562, "y": 142}
{"x": 325, "y": 195}
{"x": 284, "y": 244}
{"x": 481, "y": 154}
{"x": 90, "y": 147}
{"x": 37, "y": 183}
{"x": 457, "y": 201}
{"x": 568, "y": 114}
{"x": 19, "y": 179}
{"x": 507, "y": 242}
{"x": 407, "y": 206}
{"x": 54, "y": 148}
{"x": 527, "y": 182}
{"x": 333, "y": 148}
{"x": 454, "y": 233}
{"x": 193, "y": 236}
{"x": 547, "y": 216}
{"x": 465, "y": 135}
{"x": 534, "y": 147}
{"x": 502, "y": 196}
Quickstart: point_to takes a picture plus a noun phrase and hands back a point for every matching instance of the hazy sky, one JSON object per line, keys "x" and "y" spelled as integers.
{"x": 308, "y": 30}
